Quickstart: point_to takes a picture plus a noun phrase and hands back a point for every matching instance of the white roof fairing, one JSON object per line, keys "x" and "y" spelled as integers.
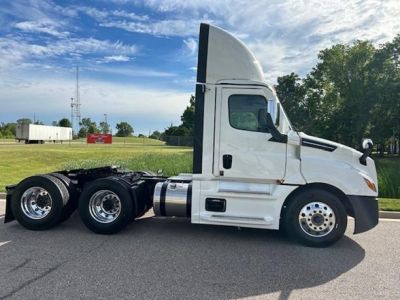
{"x": 226, "y": 58}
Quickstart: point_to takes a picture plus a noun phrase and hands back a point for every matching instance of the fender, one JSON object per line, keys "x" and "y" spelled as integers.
{"x": 340, "y": 174}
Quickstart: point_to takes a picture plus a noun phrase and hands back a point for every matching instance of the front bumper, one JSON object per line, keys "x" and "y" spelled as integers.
{"x": 365, "y": 212}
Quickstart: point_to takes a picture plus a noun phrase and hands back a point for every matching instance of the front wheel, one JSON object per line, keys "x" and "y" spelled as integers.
{"x": 315, "y": 218}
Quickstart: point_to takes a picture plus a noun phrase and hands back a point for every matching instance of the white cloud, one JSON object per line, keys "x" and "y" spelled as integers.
{"x": 191, "y": 45}
{"x": 15, "y": 51}
{"x": 129, "y": 15}
{"x": 132, "y": 71}
{"x": 157, "y": 27}
{"x": 116, "y": 58}
{"x": 105, "y": 15}
{"x": 42, "y": 26}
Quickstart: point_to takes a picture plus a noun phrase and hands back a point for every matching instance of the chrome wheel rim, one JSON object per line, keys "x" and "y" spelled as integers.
{"x": 317, "y": 219}
{"x": 36, "y": 203}
{"x": 104, "y": 206}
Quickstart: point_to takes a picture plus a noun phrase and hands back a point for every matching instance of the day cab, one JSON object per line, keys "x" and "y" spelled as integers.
{"x": 256, "y": 169}
{"x": 250, "y": 167}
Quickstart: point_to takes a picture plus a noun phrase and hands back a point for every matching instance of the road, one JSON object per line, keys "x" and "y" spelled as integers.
{"x": 172, "y": 259}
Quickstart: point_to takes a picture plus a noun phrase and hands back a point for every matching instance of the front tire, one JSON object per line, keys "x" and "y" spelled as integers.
{"x": 315, "y": 218}
{"x": 105, "y": 206}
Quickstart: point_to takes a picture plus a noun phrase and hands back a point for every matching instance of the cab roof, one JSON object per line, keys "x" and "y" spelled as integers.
{"x": 224, "y": 58}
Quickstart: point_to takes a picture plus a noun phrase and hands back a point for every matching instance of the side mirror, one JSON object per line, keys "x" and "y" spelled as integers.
{"x": 265, "y": 121}
{"x": 367, "y": 147}
{"x": 366, "y": 144}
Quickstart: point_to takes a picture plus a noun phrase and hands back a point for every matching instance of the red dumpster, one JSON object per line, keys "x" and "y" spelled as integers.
{"x": 99, "y": 138}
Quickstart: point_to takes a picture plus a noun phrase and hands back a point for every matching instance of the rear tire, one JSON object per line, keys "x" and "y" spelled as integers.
{"x": 106, "y": 206}
{"x": 315, "y": 218}
{"x": 72, "y": 203}
{"x": 38, "y": 201}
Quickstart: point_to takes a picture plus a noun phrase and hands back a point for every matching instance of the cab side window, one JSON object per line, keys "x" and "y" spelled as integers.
{"x": 246, "y": 112}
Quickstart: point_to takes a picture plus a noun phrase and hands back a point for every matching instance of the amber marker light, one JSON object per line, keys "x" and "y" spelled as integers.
{"x": 370, "y": 184}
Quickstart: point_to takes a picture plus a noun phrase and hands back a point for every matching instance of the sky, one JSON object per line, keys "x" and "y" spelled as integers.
{"x": 138, "y": 59}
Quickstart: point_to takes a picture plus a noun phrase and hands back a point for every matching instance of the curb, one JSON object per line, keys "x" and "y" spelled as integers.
{"x": 382, "y": 214}
{"x": 389, "y": 214}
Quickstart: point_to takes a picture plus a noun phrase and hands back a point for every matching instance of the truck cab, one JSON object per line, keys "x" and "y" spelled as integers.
{"x": 252, "y": 164}
{"x": 250, "y": 167}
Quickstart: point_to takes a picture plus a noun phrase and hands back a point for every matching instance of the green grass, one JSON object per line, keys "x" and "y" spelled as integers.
{"x": 20, "y": 161}
{"x": 388, "y": 177}
{"x": 389, "y": 204}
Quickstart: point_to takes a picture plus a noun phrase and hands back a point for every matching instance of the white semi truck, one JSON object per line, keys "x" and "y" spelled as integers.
{"x": 250, "y": 167}
{"x": 38, "y": 134}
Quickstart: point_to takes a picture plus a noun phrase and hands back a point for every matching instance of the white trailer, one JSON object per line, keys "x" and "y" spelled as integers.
{"x": 250, "y": 167}
{"x": 32, "y": 133}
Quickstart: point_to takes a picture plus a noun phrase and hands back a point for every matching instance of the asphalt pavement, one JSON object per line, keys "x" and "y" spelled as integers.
{"x": 173, "y": 259}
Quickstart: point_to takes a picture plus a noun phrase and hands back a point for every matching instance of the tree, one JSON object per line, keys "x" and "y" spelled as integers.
{"x": 104, "y": 127}
{"x": 182, "y": 134}
{"x": 64, "y": 122}
{"x": 24, "y": 121}
{"x": 124, "y": 129}
{"x": 82, "y": 132}
{"x": 291, "y": 93}
{"x": 384, "y": 92}
{"x": 155, "y": 135}
{"x": 187, "y": 117}
{"x": 89, "y": 126}
{"x": 332, "y": 101}
{"x": 178, "y": 136}
{"x": 343, "y": 74}
{"x": 7, "y": 130}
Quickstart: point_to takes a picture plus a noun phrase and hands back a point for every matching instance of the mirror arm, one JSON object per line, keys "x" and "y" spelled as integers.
{"x": 367, "y": 152}
{"x": 277, "y": 136}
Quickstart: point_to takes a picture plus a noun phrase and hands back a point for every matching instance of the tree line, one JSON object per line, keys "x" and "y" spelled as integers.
{"x": 87, "y": 126}
{"x": 353, "y": 92}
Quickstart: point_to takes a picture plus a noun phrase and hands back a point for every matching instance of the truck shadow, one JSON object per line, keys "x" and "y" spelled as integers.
{"x": 157, "y": 258}
{"x": 232, "y": 262}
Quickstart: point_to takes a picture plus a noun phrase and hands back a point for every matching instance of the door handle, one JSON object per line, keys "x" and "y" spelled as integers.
{"x": 227, "y": 161}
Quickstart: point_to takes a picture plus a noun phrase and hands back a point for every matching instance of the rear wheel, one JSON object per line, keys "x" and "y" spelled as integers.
{"x": 72, "y": 203}
{"x": 315, "y": 218}
{"x": 105, "y": 206}
{"x": 38, "y": 201}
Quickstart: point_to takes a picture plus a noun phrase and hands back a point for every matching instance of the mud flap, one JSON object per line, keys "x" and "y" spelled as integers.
{"x": 366, "y": 212}
{"x": 9, "y": 215}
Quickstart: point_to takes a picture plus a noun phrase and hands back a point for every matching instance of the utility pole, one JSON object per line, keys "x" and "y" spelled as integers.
{"x": 76, "y": 105}
{"x": 78, "y": 98}
{"x": 105, "y": 120}
{"x": 72, "y": 115}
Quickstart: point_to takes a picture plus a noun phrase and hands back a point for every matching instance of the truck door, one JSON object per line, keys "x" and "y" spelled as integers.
{"x": 246, "y": 150}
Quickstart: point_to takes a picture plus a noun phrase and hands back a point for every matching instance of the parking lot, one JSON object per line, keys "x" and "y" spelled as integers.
{"x": 170, "y": 258}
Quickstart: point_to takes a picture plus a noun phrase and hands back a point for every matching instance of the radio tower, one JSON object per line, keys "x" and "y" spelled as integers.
{"x": 76, "y": 104}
